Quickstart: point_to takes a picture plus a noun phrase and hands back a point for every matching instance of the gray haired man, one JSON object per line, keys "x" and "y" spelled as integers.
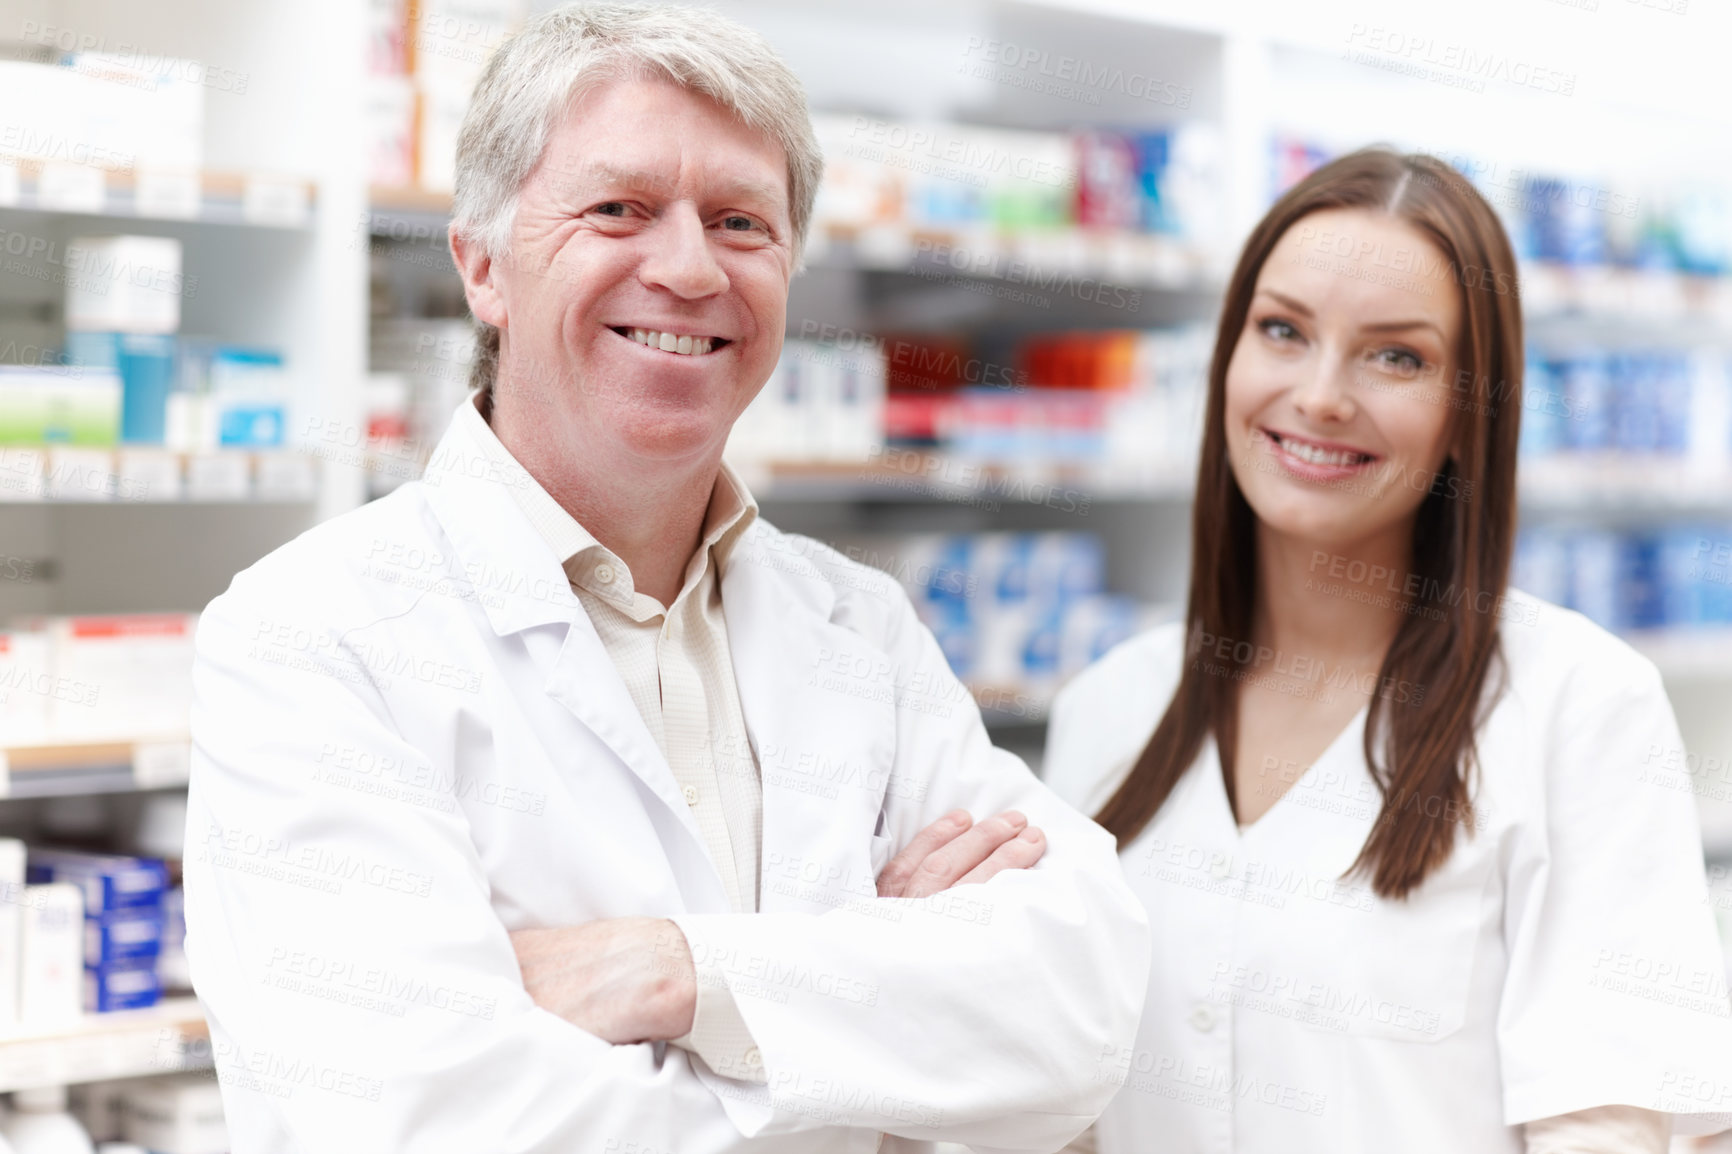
{"x": 559, "y": 803}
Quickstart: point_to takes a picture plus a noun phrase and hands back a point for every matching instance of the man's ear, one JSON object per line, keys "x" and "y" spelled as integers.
{"x": 476, "y": 269}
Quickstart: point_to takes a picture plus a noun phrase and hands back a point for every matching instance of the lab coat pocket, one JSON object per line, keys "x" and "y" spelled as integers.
{"x": 1400, "y": 970}
{"x": 882, "y": 850}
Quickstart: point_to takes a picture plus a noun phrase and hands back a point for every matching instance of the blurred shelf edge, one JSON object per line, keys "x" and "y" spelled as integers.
{"x": 256, "y": 200}
{"x": 169, "y": 1037}
{"x": 921, "y": 476}
{"x": 56, "y": 769}
{"x": 1604, "y": 483}
{"x": 33, "y": 475}
{"x": 1554, "y": 293}
{"x": 1560, "y": 483}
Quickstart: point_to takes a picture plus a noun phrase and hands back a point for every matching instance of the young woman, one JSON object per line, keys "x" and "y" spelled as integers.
{"x": 1419, "y": 851}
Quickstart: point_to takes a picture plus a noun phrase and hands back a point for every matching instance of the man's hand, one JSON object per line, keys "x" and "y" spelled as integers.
{"x": 953, "y": 851}
{"x": 624, "y": 980}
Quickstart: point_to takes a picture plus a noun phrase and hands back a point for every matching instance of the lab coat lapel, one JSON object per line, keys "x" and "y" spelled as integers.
{"x": 824, "y": 750}
{"x": 525, "y": 587}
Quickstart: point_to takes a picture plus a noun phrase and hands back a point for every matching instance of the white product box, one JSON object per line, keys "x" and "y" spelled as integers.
{"x": 149, "y": 106}
{"x": 182, "y": 1114}
{"x": 123, "y": 284}
{"x": 26, "y": 684}
{"x": 12, "y": 898}
{"x": 390, "y": 118}
{"x": 124, "y": 677}
{"x": 51, "y": 956}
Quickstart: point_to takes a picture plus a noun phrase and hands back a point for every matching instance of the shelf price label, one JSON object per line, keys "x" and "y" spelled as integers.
{"x": 167, "y": 195}
{"x": 157, "y": 764}
{"x": 71, "y": 188}
{"x": 277, "y": 202}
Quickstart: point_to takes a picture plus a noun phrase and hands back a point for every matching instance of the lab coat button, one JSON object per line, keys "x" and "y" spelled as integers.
{"x": 691, "y": 795}
{"x": 1203, "y": 1018}
{"x": 1221, "y": 869}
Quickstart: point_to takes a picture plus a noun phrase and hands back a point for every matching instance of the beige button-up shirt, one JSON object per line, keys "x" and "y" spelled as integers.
{"x": 675, "y": 663}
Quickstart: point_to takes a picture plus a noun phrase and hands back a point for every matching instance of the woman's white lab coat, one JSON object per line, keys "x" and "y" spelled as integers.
{"x": 409, "y": 741}
{"x": 1565, "y": 957}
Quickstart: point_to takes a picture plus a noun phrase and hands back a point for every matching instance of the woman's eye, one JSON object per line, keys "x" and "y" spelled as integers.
{"x": 1402, "y": 361}
{"x": 1277, "y": 329}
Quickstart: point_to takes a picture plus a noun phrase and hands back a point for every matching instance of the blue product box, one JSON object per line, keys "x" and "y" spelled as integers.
{"x": 1545, "y": 411}
{"x": 1042, "y": 646}
{"x": 108, "y": 881}
{"x": 145, "y": 364}
{"x": 1567, "y": 227}
{"x": 135, "y": 932}
{"x": 1586, "y": 382}
{"x": 128, "y": 985}
{"x": 958, "y": 636}
{"x": 1594, "y": 573}
{"x": 1154, "y": 152}
{"x": 1640, "y": 599}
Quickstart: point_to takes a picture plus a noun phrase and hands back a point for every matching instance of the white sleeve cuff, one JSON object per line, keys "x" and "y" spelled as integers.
{"x": 719, "y": 1034}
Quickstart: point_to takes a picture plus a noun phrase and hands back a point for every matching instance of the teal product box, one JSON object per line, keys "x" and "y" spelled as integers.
{"x": 145, "y": 363}
{"x": 249, "y": 391}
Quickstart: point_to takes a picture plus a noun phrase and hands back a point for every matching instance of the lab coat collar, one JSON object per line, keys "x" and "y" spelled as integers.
{"x": 518, "y": 580}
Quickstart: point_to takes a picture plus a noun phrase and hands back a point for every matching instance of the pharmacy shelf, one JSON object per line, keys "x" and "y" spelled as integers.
{"x": 61, "y": 768}
{"x": 257, "y": 200}
{"x": 1037, "y": 259}
{"x": 167, "y": 1038}
{"x": 1598, "y": 485}
{"x": 908, "y": 476}
{"x": 80, "y": 475}
{"x": 1609, "y": 485}
{"x": 1635, "y": 296}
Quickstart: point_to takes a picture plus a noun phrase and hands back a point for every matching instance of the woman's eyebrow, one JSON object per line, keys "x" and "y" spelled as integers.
{"x": 1401, "y": 326}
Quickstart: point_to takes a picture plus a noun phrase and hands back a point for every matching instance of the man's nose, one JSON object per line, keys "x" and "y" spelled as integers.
{"x": 680, "y": 259}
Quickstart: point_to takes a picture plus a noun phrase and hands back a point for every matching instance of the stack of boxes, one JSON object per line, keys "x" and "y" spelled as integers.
{"x": 118, "y": 677}
{"x": 424, "y": 58}
{"x": 122, "y": 925}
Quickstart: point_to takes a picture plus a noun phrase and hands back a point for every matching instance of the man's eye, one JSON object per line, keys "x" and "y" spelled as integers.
{"x": 611, "y": 208}
{"x": 739, "y": 223}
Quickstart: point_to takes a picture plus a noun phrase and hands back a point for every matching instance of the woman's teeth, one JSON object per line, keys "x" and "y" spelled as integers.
{"x": 669, "y": 343}
{"x": 1317, "y": 455}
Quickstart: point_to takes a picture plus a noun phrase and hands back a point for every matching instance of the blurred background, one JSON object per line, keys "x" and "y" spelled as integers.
{"x": 228, "y": 311}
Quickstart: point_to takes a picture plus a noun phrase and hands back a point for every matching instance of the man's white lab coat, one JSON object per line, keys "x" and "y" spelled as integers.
{"x": 409, "y": 741}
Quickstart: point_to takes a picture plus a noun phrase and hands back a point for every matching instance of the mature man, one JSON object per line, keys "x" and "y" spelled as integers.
{"x": 559, "y": 803}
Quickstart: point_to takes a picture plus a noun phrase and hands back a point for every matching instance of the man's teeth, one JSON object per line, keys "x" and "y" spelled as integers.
{"x": 1317, "y": 455}
{"x": 669, "y": 343}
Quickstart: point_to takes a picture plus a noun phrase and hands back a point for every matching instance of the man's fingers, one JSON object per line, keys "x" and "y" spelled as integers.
{"x": 1019, "y": 853}
{"x": 894, "y": 879}
{"x": 941, "y": 870}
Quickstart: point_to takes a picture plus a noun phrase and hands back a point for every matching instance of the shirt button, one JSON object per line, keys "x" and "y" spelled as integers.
{"x": 1203, "y": 1018}
{"x": 753, "y": 1058}
{"x": 691, "y": 795}
{"x": 604, "y": 574}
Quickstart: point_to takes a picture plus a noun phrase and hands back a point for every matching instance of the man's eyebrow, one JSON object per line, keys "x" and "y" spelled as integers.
{"x": 612, "y": 176}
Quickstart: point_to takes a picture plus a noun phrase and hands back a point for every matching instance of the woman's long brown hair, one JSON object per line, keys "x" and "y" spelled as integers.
{"x": 1462, "y": 538}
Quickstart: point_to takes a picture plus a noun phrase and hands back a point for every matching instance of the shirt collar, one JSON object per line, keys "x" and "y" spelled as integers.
{"x": 731, "y": 511}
